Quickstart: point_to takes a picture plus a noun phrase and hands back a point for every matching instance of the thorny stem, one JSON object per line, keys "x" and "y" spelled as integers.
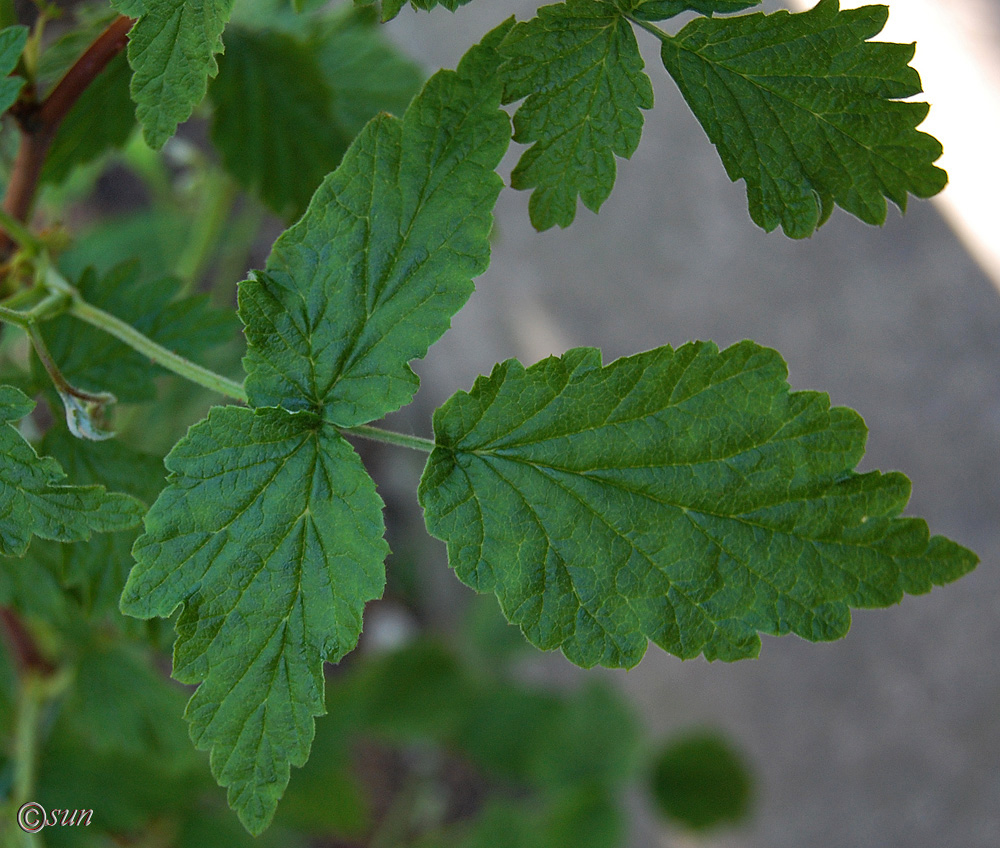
{"x": 40, "y": 121}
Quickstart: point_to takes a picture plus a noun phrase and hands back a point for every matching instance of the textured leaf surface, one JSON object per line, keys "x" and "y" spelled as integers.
{"x": 91, "y": 359}
{"x": 102, "y": 118}
{"x": 369, "y": 278}
{"x": 172, "y": 51}
{"x": 270, "y": 536}
{"x": 12, "y": 41}
{"x": 684, "y": 497}
{"x": 579, "y": 67}
{"x": 802, "y": 107}
{"x": 34, "y": 502}
{"x": 659, "y": 10}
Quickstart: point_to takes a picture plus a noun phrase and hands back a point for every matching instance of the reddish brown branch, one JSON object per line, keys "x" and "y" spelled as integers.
{"x": 40, "y": 121}
{"x": 22, "y": 646}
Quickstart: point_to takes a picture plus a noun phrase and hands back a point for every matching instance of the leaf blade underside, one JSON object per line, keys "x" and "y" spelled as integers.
{"x": 681, "y": 497}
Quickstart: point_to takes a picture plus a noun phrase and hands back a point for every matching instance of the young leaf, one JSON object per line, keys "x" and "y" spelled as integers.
{"x": 94, "y": 360}
{"x": 579, "y": 67}
{"x": 172, "y": 51}
{"x": 273, "y": 125}
{"x": 803, "y": 108}
{"x": 12, "y": 41}
{"x": 660, "y": 10}
{"x": 32, "y": 502}
{"x": 101, "y": 119}
{"x": 370, "y": 276}
{"x": 684, "y": 497}
{"x": 270, "y": 536}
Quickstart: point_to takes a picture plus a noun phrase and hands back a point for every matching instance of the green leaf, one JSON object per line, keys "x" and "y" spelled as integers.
{"x": 33, "y": 502}
{"x": 804, "y": 109}
{"x": 273, "y": 125}
{"x": 684, "y": 497}
{"x": 97, "y": 569}
{"x": 660, "y": 10}
{"x": 92, "y": 359}
{"x": 365, "y": 73}
{"x": 699, "y": 780}
{"x": 102, "y": 118}
{"x": 369, "y": 278}
{"x": 579, "y": 67}
{"x": 391, "y": 8}
{"x": 270, "y": 536}
{"x": 172, "y": 51}
{"x": 12, "y": 41}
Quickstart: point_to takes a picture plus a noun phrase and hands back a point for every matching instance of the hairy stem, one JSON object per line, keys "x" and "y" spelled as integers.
{"x": 40, "y": 121}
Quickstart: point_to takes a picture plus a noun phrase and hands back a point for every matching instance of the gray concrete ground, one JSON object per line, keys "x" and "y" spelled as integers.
{"x": 890, "y": 737}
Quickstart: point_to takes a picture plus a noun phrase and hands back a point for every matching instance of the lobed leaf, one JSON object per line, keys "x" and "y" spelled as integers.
{"x": 172, "y": 51}
{"x": 579, "y": 67}
{"x": 34, "y": 503}
{"x": 370, "y": 276}
{"x": 270, "y": 537}
{"x": 684, "y": 497}
{"x": 806, "y": 110}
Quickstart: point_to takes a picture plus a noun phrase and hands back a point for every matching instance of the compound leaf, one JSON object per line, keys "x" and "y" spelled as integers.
{"x": 579, "y": 67}
{"x": 172, "y": 51}
{"x": 95, "y": 360}
{"x": 370, "y": 276}
{"x": 12, "y": 41}
{"x": 270, "y": 536}
{"x": 32, "y": 500}
{"x": 684, "y": 497}
{"x": 803, "y": 108}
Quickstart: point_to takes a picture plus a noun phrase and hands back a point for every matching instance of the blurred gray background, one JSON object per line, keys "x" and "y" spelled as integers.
{"x": 890, "y": 737}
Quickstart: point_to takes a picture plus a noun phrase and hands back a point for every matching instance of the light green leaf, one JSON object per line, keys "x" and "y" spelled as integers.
{"x": 102, "y": 118}
{"x": 34, "y": 502}
{"x": 91, "y": 359}
{"x": 803, "y": 108}
{"x": 12, "y": 41}
{"x": 659, "y": 10}
{"x": 172, "y": 51}
{"x": 273, "y": 125}
{"x": 684, "y": 497}
{"x": 270, "y": 536}
{"x": 384, "y": 256}
{"x": 579, "y": 67}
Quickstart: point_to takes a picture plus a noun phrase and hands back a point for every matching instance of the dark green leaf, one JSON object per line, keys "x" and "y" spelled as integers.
{"x": 33, "y": 501}
{"x": 385, "y": 255}
{"x": 805, "y": 109}
{"x": 579, "y": 67}
{"x": 101, "y": 119}
{"x": 391, "y": 8}
{"x": 684, "y": 497}
{"x": 12, "y": 41}
{"x": 659, "y": 10}
{"x": 172, "y": 53}
{"x": 270, "y": 536}
{"x": 701, "y": 781}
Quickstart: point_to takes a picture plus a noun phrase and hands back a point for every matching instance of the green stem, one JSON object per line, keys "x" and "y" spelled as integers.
{"x": 391, "y": 437}
{"x": 218, "y": 194}
{"x": 650, "y": 28}
{"x": 19, "y": 232}
{"x": 157, "y": 353}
